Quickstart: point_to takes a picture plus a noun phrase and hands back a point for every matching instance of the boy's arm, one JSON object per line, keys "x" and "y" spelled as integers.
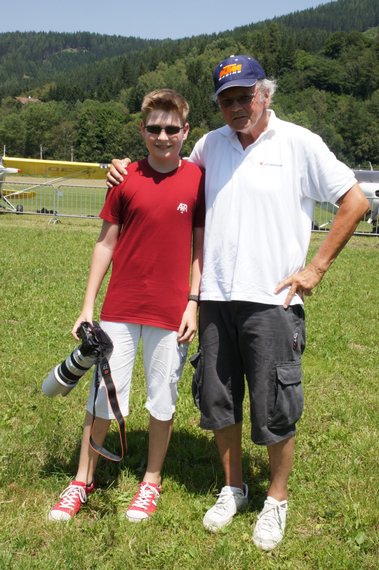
{"x": 100, "y": 262}
{"x": 188, "y": 326}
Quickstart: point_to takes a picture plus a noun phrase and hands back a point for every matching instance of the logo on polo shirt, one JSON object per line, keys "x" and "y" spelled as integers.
{"x": 182, "y": 208}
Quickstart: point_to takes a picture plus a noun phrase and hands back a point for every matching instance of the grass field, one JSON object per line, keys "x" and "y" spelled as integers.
{"x": 333, "y": 516}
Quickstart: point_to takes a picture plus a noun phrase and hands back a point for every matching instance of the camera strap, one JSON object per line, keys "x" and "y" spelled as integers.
{"x": 103, "y": 370}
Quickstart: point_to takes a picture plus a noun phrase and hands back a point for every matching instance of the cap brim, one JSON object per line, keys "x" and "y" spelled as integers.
{"x": 236, "y": 83}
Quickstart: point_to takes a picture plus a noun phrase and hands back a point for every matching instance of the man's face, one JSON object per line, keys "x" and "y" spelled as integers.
{"x": 242, "y": 108}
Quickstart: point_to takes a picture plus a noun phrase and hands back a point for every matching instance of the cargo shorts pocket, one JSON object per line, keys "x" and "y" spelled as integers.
{"x": 197, "y": 361}
{"x": 288, "y": 400}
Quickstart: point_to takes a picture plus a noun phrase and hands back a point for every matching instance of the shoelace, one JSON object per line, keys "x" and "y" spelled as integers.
{"x": 223, "y": 499}
{"x": 71, "y": 494}
{"x": 270, "y": 517}
{"x": 146, "y": 494}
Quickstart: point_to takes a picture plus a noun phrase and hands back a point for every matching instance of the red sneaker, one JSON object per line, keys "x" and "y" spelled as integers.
{"x": 71, "y": 500}
{"x": 144, "y": 503}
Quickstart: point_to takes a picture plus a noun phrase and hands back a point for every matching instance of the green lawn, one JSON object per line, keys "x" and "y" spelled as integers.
{"x": 333, "y": 516}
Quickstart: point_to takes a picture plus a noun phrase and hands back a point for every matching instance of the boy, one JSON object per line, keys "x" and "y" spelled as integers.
{"x": 149, "y": 223}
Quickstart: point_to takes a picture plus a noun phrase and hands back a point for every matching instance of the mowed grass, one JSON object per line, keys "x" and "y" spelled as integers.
{"x": 333, "y": 516}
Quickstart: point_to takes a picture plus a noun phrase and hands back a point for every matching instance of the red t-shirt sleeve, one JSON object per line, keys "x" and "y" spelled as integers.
{"x": 112, "y": 209}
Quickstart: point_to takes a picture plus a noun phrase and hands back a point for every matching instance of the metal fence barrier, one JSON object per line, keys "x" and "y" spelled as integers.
{"x": 323, "y": 215}
{"x": 85, "y": 200}
{"x": 63, "y": 200}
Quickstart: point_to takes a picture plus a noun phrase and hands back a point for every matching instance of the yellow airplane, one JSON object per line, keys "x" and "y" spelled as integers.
{"x": 56, "y": 169}
{"x": 53, "y": 168}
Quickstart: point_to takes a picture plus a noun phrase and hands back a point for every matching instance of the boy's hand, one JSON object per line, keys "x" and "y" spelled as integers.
{"x": 188, "y": 326}
{"x": 117, "y": 171}
{"x": 85, "y": 316}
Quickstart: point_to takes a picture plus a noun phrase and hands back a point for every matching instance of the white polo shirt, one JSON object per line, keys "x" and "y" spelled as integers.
{"x": 259, "y": 207}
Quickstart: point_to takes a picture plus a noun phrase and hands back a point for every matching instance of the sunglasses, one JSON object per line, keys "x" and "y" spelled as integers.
{"x": 241, "y": 100}
{"x": 169, "y": 130}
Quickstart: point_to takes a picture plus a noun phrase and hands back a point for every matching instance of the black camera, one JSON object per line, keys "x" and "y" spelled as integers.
{"x": 95, "y": 345}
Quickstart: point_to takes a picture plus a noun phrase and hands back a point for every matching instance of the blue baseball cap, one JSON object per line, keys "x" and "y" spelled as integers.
{"x": 237, "y": 71}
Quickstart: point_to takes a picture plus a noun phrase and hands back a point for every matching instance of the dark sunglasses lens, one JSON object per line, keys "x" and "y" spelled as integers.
{"x": 245, "y": 99}
{"x": 241, "y": 100}
{"x": 172, "y": 130}
{"x": 226, "y": 102}
{"x": 154, "y": 129}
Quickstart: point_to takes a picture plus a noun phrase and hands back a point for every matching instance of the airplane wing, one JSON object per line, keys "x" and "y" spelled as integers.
{"x": 56, "y": 171}
{"x": 369, "y": 183}
{"x": 57, "y": 168}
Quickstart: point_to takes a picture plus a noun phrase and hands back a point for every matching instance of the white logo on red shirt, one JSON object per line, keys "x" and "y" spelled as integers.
{"x": 182, "y": 208}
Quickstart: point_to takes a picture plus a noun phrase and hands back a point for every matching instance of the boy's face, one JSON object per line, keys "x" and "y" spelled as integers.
{"x": 164, "y": 147}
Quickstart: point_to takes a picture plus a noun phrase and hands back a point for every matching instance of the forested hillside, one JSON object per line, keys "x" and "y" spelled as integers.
{"x": 78, "y": 95}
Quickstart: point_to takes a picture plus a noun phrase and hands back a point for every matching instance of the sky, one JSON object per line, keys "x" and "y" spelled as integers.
{"x": 148, "y": 19}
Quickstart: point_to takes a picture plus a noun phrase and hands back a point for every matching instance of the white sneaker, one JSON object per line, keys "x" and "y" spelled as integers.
{"x": 269, "y": 529}
{"x": 230, "y": 501}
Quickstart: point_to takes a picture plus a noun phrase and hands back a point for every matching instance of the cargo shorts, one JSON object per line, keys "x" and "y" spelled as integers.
{"x": 262, "y": 343}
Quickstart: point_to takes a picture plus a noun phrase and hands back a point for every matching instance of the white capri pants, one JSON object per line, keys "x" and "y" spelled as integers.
{"x": 163, "y": 362}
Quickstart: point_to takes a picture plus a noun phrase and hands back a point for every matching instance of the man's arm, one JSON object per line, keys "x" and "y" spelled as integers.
{"x": 352, "y": 206}
{"x": 118, "y": 167}
{"x": 117, "y": 171}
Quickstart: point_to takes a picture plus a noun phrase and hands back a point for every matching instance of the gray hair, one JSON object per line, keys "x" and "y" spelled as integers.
{"x": 266, "y": 86}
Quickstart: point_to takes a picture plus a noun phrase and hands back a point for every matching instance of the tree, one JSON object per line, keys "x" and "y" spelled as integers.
{"x": 133, "y": 144}
{"x": 13, "y": 134}
{"x": 98, "y": 130}
{"x": 40, "y": 121}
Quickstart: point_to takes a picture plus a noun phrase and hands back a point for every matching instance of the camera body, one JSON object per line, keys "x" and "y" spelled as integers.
{"x": 65, "y": 376}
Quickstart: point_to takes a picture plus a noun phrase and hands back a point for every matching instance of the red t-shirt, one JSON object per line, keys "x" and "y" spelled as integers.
{"x": 151, "y": 261}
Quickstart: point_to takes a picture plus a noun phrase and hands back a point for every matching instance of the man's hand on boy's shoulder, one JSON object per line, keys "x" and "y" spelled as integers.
{"x": 117, "y": 171}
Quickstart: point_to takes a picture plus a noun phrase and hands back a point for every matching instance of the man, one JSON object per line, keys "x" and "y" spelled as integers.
{"x": 263, "y": 176}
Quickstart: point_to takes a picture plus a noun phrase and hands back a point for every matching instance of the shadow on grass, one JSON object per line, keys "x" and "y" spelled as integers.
{"x": 192, "y": 461}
